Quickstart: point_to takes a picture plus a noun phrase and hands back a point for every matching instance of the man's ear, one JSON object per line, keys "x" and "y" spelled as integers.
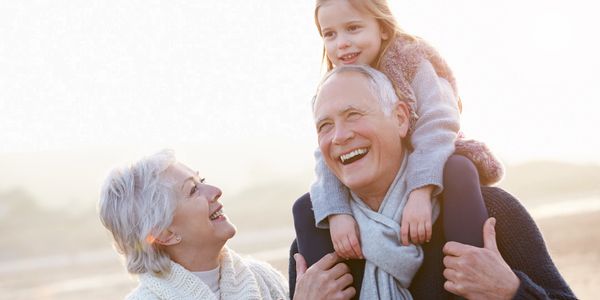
{"x": 402, "y": 113}
{"x": 168, "y": 238}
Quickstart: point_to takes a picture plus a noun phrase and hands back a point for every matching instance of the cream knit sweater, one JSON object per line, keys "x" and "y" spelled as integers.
{"x": 241, "y": 278}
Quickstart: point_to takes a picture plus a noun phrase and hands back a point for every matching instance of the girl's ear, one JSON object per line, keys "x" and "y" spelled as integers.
{"x": 384, "y": 34}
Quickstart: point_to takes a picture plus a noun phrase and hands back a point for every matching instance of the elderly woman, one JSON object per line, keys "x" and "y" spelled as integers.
{"x": 171, "y": 229}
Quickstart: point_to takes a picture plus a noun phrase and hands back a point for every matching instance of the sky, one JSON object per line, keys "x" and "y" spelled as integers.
{"x": 232, "y": 80}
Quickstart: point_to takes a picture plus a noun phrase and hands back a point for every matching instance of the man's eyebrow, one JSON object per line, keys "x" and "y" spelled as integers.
{"x": 190, "y": 178}
{"x": 340, "y": 112}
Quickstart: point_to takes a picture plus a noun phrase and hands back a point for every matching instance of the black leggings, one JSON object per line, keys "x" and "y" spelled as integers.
{"x": 463, "y": 207}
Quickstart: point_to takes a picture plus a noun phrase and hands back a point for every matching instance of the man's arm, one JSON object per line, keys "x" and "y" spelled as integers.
{"x": 522, "y": 248}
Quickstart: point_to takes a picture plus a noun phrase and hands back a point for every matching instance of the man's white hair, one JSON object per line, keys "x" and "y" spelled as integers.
{"x": 381, "y": 87}
{"x": 136, "y": 204}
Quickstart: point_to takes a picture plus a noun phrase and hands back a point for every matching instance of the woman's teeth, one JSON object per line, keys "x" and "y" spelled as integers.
{"x": 216, "y": 214}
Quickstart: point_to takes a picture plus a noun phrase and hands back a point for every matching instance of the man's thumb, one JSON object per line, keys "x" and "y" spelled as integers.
{"x": 489, "y": 235}
{"x": 300, "y": 265}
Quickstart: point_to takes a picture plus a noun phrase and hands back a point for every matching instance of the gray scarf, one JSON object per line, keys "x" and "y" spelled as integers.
{"x": 390, "y": 266}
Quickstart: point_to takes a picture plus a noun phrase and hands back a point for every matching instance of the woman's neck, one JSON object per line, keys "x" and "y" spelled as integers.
{"x": 196, "y": 260}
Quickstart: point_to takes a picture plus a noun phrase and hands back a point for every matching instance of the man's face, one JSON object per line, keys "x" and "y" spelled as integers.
{"x": 360, "y": 144}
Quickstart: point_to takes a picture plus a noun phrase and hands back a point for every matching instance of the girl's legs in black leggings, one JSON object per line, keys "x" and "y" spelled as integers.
{"x": 314, "y": 243}
{"x": 463, "y": 207}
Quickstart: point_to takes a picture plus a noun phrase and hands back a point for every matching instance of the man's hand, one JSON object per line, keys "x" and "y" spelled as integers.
{"x": 326, "y": 279}
{"x": 416, "y": 217}
{"x": 479, "y": 273}
{"x": 345, "y": 236}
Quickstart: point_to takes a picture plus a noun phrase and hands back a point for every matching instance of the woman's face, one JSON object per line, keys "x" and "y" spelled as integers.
{"x": 350, "y": 36}
{"x": 198, "y": 217}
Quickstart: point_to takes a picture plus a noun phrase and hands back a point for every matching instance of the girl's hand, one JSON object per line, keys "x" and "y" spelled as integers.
{"x": 416, "y": 217}
{"x": 345, "y": 236}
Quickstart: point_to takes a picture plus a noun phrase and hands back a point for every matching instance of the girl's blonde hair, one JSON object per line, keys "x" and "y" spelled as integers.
{"x": 382, "y": 13}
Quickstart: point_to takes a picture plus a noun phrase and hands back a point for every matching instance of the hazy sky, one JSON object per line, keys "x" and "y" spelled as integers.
{"x": 235, "y": 77}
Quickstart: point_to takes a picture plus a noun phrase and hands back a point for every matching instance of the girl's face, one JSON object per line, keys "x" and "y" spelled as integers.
{"x": 350, "y": 36}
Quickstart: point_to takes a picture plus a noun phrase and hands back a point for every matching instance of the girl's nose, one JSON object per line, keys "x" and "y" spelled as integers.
{"x": 344, "y": 42}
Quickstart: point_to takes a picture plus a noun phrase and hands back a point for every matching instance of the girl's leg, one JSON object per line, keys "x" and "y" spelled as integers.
{"x": 463, "y": 207}
{"x": 314, "y": 243}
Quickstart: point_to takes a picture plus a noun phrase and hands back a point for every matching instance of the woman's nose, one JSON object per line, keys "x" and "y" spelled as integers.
{"x": 215, "y": 193}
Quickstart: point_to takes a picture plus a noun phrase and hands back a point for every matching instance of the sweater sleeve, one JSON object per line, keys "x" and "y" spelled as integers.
{"x": 523, "y": 248}
{"x": 435, "y": 130}
{"x": 271, "y": 278}
{"x": 328, "y": 195}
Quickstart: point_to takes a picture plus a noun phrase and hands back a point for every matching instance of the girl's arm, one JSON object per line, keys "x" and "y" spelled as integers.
{"x": 329, "y": 196}
{"x": 435, "y": 130}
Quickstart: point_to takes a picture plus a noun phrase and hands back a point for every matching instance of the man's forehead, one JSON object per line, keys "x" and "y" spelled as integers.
{"x": 351, "y": 90}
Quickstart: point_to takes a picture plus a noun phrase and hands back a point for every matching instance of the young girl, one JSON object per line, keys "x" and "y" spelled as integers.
{"x": 365, "y": 32}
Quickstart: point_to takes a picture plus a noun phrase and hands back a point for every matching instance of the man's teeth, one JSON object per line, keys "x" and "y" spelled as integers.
{"x": 352, "y": 154}
{"x": 216, "y": 214}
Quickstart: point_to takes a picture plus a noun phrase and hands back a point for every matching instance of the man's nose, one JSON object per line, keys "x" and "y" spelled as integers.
{"x": 342, "y": 135}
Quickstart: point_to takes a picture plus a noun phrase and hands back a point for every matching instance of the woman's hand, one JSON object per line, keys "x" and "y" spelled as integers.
{"x": 345, "y": 236}
{"x": 416, "y": 217}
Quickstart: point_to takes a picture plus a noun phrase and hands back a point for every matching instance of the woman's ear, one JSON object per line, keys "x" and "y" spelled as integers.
{"x": 168, "y": 238}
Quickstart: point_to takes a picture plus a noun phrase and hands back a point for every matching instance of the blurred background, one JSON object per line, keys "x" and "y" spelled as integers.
{"x": 88, "y": 85}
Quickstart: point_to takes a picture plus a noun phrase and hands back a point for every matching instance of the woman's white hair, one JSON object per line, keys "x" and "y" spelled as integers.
{"x": 137, "y": 203}
{"x": 379, "y": 84}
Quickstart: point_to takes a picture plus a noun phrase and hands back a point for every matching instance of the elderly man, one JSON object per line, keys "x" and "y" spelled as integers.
{"x": 350, "y": 114}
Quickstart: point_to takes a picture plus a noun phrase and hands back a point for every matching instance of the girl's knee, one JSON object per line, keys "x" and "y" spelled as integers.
{"x": 302, "y": 209}
{"x": 458, "y": 164}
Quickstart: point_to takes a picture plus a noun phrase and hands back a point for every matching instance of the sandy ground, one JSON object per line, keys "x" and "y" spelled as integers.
{"x": 573, "y": 241}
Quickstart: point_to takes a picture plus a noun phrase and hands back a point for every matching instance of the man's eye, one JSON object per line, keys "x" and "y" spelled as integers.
{"x": 354, "y": 116}
{"x": 324, "y": 127}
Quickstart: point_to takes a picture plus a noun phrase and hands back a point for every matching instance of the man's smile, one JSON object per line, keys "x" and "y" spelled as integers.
{"x": 353, "y": 155}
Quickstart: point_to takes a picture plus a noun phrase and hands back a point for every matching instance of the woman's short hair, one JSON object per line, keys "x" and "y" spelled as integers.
{"x": 136, "y": 204}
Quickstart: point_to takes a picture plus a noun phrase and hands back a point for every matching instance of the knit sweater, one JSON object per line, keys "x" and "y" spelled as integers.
{"x": 433, "y": 141}
{"x": 519, "y": 241}
{"x": 240, "y": 279}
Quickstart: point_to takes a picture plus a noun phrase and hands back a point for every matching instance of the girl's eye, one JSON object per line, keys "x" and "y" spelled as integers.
{"x": 194, "y": 189}
{"x": 328, "y": 34}
{"x": 353, "y": 27}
